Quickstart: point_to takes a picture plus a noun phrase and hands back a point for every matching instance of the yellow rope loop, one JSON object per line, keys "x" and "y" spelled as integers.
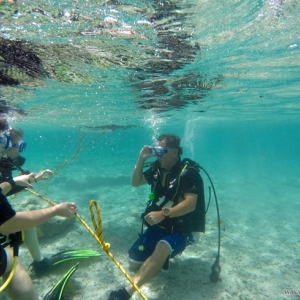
{"x": 98, "y": 227}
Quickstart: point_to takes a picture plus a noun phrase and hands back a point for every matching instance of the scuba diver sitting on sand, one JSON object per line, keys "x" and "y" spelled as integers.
{"x": 176, "y": 209}
{"x": 11, "y": 145}
{"x": 21, "y": 286}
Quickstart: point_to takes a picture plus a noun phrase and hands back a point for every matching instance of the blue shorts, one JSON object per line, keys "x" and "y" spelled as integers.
{"x": 151, "y": 237}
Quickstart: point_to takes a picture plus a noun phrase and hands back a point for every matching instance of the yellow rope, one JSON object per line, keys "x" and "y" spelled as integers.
{"x": 62, "y": 165}
{"x": 98, "y": 237}
{"x": 15, "y": 195}
{"x": 106, "y": 246}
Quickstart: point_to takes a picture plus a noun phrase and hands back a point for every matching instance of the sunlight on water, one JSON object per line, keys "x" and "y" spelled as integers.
{"x": 189, "y": 55}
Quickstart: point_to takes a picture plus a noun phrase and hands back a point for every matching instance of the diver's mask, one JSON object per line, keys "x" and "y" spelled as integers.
{"x": 158, "y": 151}
{"x": 21, "y": 146}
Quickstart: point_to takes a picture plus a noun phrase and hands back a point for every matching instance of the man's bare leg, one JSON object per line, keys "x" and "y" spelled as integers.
{"x": 32, "y": 243}
{"x": 151, "y": 266}
{"x": 21, "y": 286}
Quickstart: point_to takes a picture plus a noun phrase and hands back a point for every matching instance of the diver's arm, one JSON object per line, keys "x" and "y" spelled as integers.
{"x": 186, "y": 206}
{"x": 29, "y": 219}
{"x": 5, "y": 187}
{"x": 138, "y": 178}
{"x": 25, "y": 180}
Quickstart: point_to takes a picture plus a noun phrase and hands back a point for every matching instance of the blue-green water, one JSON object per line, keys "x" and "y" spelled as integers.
{"x": 244, "y": 131}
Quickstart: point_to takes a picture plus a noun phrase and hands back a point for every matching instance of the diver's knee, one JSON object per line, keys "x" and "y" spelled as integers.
{"x": 162, "y": 251}
{"x": 163, "y": 247}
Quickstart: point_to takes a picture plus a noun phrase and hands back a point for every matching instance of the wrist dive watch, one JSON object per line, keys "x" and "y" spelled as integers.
{"x": 166, "y": 212}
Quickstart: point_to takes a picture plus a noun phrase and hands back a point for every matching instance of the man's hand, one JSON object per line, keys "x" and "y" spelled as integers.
{"x": 66, "y": 209}
{"x": 26, "y": 180}
{"x": 146, "y": 152}
{"x": 137, "y": 176}
{"x": 40, "y": 175}
{"x": 154, "y": 217}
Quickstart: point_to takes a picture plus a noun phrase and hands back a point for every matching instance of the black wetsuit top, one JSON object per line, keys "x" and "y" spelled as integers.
{"x": 190, "y": 182}
{"x": 6, "y": 213}
{"x": 7, "y": 165}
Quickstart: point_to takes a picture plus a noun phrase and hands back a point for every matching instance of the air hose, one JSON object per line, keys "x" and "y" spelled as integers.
{"x": 215, "y": 268}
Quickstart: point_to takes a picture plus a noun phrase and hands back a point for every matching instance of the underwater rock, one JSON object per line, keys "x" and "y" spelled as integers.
{"x": 19, "y": 54}
{"x": 7, "y": 80}
{"x": 54, "y": 226}
{"x": 50, "y": 228}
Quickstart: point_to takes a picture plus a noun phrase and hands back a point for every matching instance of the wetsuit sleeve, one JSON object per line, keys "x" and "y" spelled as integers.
{"x": 6, "y": 168}
{"x": 6, "y": 211}
{"x": 192, "y": 182}
{"x": 15, "y": 190}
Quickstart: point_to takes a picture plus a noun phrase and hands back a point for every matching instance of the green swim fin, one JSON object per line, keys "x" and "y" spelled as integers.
{"x": 56, "y": 292}
{"x": 48, "y": 263}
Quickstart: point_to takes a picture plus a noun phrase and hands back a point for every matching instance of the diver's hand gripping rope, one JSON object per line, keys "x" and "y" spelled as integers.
{"x": 98, "y": 237}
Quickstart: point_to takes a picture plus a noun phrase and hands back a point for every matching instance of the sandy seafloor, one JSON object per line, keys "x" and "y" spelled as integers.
{"x": 260, "y": 244}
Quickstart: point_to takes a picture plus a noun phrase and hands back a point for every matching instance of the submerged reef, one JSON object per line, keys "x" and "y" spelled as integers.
{"x": 79, "y": 46}
{"x": 163, "y": 95}
{"x": 17, "y": 59}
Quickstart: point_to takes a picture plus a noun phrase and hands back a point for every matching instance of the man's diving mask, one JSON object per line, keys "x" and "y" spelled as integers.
{"x": 5, "y": 143}
{"x": 21, "y": 146}
{"x": 159, "y": 152}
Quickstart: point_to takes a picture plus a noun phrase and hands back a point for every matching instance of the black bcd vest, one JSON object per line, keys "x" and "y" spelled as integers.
{"x": 173, "y": 191}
